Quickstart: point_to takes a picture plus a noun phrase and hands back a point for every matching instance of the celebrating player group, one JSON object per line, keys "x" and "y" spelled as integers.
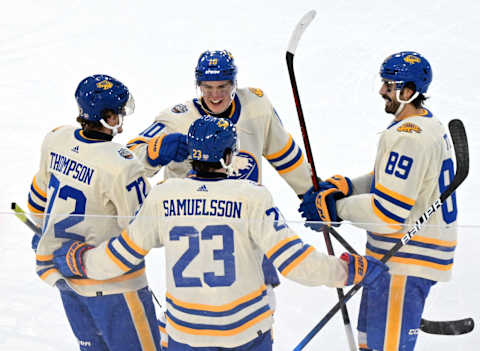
{"x": 224, "y": 239}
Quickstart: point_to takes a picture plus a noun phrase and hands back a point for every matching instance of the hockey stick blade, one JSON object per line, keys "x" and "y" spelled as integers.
{"x": 21, "y": 215}
{"x": 458, "y": 327}
{"x": 460, "y": 143}
{"x": 299, "y": 29}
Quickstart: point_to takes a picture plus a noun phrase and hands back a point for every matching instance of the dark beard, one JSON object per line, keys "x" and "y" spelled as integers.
{"x": 391, "y": 106}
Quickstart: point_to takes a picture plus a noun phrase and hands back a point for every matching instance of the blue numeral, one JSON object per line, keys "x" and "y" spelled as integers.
{"x": 154, "y": 129}
{"x": 187, "y": 257}
{"x": 226, "y": 254}
{"x": 443, "y": 183}
{"x": 66, "y": 192}
{"x": 278, "y": 220}
{"x": 400, "y": 169}
{"x": 140, "y": 189}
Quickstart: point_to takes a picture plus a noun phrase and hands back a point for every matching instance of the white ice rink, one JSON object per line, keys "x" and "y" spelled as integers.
{"x": 47, "y": 47}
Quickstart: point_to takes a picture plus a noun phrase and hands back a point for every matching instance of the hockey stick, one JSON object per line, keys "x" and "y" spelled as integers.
{"x": 458, "y": 327}
{"x": 292, "y": 46}
{"x": 21, "y": 215}
{"x": 459, "y": 138}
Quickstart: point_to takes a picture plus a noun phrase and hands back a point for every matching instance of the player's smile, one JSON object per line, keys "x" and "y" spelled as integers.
{"x": 217, "y": 95}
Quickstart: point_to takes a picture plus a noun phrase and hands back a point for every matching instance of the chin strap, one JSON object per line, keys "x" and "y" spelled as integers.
{"x": 114, "y": 129}
{"x": 404, "y": 102}
{"x": 228, "y": 167}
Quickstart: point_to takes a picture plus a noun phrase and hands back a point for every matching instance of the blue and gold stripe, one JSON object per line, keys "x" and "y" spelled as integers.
{"x": 34, "y": 207}
{"x": 80, "y": 136}
{"x": 218, "y": 311}
{"x": 220, "y": 329}
{"x": 411, "y": 258}
{"x": 419, "y": 241}
{"x": 394, "y": 197}
{"x": 134, "y": 143}
{"x": 295, "y": 259}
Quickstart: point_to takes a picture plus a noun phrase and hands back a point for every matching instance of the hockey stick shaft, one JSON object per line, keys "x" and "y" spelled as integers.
{"x": 21, "y": 215}
{"x": 459, "y": 137}
{"x": 292, "y": 46}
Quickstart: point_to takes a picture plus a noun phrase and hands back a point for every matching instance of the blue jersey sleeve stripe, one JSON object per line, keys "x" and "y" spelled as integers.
{"x": 283, "y": 248}
{"x": 130, "y": 250}
{"x": 291, "y": 162}
{"x": 413, "y": 243}
{"x": 221, "y": 327}
{"x": 34, "y": 205}
{"x": 387, "y": 213}
{"x": 392, "y": 200}
{"x": 285, "y": 154}
{"x": 44, "y": 263}
{"x": 37, "y": 194}
{"x": 203, "y": 312}
{"x": 412, "y": 256}
{"x": 117, "y": 255}
{"x": 292, "y": 258}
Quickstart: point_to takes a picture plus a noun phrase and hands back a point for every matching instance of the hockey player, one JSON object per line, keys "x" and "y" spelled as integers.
{"x": 412, "y": 167}
{"x": 259, "y": 128}
{"x": 87, "y": 189}
{"x": 212, "y": 228}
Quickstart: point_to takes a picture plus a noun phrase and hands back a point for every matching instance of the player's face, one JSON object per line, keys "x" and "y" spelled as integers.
{"x": 217, "y": 95}
{"x": 388, "y": 93}
{"x": 113, "y": 119}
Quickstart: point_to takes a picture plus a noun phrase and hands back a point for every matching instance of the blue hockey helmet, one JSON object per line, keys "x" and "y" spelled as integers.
{"x": 100, "y": 92}
{"x": 407, "y": 66}
{"x": 215, "y": 66}
{"x": 208, "y": 138}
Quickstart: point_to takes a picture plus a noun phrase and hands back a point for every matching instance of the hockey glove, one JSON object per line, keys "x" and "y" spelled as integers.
{"x": 362, "y": 269}
{"x": 344, "y": 184}
{"x": 69, "y": 258}
{"x": 320, "y": 207}
{"x": 166, "y": 148}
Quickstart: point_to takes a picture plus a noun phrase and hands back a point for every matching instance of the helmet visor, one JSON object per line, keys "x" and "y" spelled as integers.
{"x": 129, "y": 106}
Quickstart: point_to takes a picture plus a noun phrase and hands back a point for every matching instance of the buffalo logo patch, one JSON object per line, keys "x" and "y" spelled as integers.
{"x": 256, "y": 91}
{"x": 409, "y": 128}
{"x": 180, "y": 108}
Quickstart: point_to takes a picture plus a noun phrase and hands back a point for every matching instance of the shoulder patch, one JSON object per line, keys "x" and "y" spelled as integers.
{"x": 256, "y": 91}
{"x": 126, "y": 153}
{"x": 180, "y": 108}
{"x": 409, "y": 128}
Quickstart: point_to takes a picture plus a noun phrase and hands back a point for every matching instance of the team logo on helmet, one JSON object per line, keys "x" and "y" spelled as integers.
{"x": 411, "y": 59}
{"x": 222, "y": 124}
{"x": 105, "y": 85}
{"x": 256, "y": 91}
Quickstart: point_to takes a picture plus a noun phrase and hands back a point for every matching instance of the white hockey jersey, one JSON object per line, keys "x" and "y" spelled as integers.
{"x": 86, "y": 189}
{"x": 212, "y": 230}
{"x": 260, "y": 133}
{"x": 413, "y": 167}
